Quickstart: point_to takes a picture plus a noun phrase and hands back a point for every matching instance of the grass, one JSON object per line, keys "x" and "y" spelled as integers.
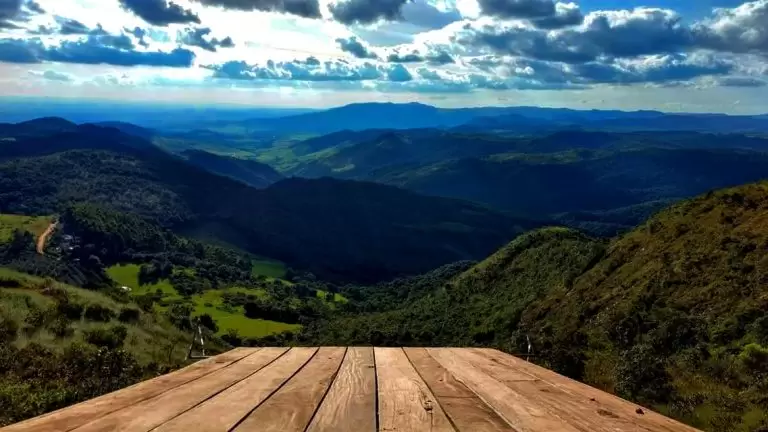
{"x": 210, "y": 302}
{"x": 228, "y": 318}
{"x": 269, "y": 268}
{"x": 337, "y": 298}
{"x": 151, "y": 339}
{"x": 10, "y": 223}
{"x": 128, "y": 275}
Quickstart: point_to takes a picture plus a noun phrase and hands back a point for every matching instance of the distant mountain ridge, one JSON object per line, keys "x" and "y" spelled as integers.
{"x": 519, "y": 119}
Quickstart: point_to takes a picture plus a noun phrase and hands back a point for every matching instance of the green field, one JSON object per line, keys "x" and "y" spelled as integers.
{"x": 10, "y": 223}
{"x": 210, "y": 302}
{"x": 337, "y": 298}
{"x": 269, "y": 268}
{"x": 128, "y": 275}
{"x": 234, "y": 318}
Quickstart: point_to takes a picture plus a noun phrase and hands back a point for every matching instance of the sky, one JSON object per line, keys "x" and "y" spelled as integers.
{"x": 669, "y": 55}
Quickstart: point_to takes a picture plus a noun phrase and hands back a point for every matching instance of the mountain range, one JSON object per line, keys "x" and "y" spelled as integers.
{"x": 335, "y": 228}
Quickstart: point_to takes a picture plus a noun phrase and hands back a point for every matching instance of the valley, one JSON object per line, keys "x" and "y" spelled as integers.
{"x": 631, "y": 260}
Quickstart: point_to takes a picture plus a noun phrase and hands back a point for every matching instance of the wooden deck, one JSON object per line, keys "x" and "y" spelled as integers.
{"x": 356, "y": 389}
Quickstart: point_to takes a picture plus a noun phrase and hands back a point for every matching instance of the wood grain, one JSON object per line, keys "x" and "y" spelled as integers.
{"x": 601, "y": 403}
{"x": 350, "y": 405}
{"x": 465, "y": 409}
{"x": 153, "y": 412}
{"x": 522, "y": 414}
{"x": 292, "y": 407}
{"x": 405, "y": 402}
{"x": 77, "y": 415}
{"x": 233, "y": 404}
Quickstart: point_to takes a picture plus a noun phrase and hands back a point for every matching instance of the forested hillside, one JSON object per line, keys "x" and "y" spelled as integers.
{"x": 671, "y": 315}
{"x": 336, "y": 229}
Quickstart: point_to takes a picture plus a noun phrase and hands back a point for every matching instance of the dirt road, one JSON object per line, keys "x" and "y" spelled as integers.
{"x": 44, "y": 237}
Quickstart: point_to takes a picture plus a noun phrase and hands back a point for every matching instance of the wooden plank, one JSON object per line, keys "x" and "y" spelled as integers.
{"x": 77, "y": 415}
{"x": 516, "y": 409}
{"x": 158, "y": 410}
{"x": 350, "y": 405}
{"x": 559, "y": 404}
{"x": 405, "y": 401}
{"x": 292, "y": 407}
{"x": 465, "y": 409}
{"x": 590, "y": 401}
{"x": 224, "y": 411}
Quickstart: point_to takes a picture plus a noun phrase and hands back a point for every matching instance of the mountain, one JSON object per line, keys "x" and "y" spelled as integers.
{"x": 130, "y": 129}
{"x": 538, "y": 121}
{"x": 337, "y": 229}
{"x": 361, "y": 116}
{"x": 37, "y": 127}
{"x": 670, "y": 315}
{"x": 252, "y": 173}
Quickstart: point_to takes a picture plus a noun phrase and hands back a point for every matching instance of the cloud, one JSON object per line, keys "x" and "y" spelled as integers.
{"x": 353, "y": 46}
{"x": 116, "y": 50}
{"x": 69, "y": 26}
{"x": 160, "y": 12}
{"x": 604, "y": 33}
{"x": 302, "y": 8}
{"x": 399, "y": 73}
{"x": 196, "y": 37}
{"x": 434, "y": 56}
{"x": 741, "y": 82}
{"x": 743, "y": 29}
{"x": 310, "y": 70}
{"x": 518, "y": 8}
{"x": 34, "y": 7}
{"x": 53, "y": 76}
{"x": 367, "y": 11}
{"x": 412, "y": 57}
{"x": 566, "y": 15}
{"x": 422, "y": 14}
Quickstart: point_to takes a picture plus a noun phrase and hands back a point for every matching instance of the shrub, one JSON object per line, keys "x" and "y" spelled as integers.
{"x": 70, "y": 309}
{"x": 97, "y": 312}
{"x": 60, "y": 327}
{"x": 128, "y": 315}
{"x": 8, "y": 330}
{"x": 112, "y": 338}
{"x": 208, "y": 322}
{"x": 754, "y": 358}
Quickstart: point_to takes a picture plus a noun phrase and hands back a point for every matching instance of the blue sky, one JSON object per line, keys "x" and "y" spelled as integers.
{"x": 672, "y": 55}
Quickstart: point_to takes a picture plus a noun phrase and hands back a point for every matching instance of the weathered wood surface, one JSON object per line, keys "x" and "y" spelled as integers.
{"x": 357, "y": 389}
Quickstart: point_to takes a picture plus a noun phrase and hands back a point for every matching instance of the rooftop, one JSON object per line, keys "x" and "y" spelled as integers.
{"x": 357, "y": 389}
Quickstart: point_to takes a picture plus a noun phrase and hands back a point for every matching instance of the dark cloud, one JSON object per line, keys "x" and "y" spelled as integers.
{"x": 114, "y": 50}
{"x": 412, "y": 57}
{"x": 606, "y": 33}
{"x": 302, "y": 8}
{"x": 34, "y": 7}
{"x": 197, "y": 37}
{"x": 434, "y": 57}
{"x": 11, "y": 12}
{"x": 140, "y": 34}
{"x": 741, "y": 82}
{"x": 68, "y": 26}
{"x": 518, "y": 8}
{"x": 367, "y": 11}
{"x": 160, "y": 12}
{"x": 353, "y": 46}
{"x": 566, "y": 15}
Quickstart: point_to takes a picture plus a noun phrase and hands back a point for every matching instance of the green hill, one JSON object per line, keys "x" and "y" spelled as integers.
{"x": 671, "y": 315}
{"x": 53, "y": 337}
